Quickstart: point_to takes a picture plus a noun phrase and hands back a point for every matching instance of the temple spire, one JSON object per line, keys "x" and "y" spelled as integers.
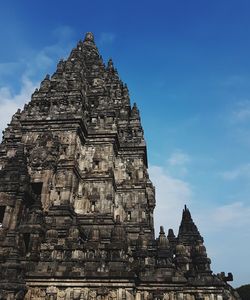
{"x": 188, "y": 231}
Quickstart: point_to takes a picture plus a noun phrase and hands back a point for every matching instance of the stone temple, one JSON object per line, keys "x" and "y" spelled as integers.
{"x": 76, "y": 201}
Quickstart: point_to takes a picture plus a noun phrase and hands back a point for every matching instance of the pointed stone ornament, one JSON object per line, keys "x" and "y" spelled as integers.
{"x": 89, "y": 37}
{"x": 135, "y": 114}
{"x": 163, "y": 242}
{"x": 110, "y": 66}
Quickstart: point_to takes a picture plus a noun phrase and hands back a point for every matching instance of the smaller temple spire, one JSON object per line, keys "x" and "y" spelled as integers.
{"x": 171, "y": 236}
{"x": 110, "y": 66}
{"x": 186, "y": 214}
{"x": 111, "y": 69}
{"x": 135, "y": 114}
{"x": 162, "y": 240}
{"x": 188, "y": 231}
{"x": 45, "y": 84}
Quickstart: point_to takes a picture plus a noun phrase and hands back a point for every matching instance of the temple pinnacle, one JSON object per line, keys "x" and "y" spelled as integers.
{"x": 89, "y": 37}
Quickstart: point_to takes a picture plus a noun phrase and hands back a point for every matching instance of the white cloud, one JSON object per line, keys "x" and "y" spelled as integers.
{"x": 178, "y": 162}
{"x": 225, "y": 229}
{"x": 235, "y": 81}
{"x": 48, "y": 56}
{"x": 106, "y": 38}
{"x": 238, "y": 122}
{"x": 171, "y": 196}
{"x": 224, "y": 217}
{"x": 8, "y": 68}
{"x": 242, "y": 111}
{"x": 10, "y": 102}
{"x": 242, "y": 171}
{"x": 63, "y": 33}
{"x": 38, "y": 64}
{"x": 179, "y": 158}
{"x": 236, "y": 214}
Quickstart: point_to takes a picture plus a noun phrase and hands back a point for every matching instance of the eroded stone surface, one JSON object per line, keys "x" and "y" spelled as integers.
{"x": 76, "y": 201}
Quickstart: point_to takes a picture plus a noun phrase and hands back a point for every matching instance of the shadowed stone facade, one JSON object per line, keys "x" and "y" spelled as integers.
{"x": 76, "y": 201}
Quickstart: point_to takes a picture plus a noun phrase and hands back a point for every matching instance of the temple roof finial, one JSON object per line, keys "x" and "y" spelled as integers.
{"x": 135, "y": 114}
{"x": 110, "y": 64}
{"x": 89, "y": 37}
{"x": 162, "y": 240}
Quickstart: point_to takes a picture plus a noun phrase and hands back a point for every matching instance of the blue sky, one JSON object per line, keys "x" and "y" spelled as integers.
{"x": 187, "y": 66}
